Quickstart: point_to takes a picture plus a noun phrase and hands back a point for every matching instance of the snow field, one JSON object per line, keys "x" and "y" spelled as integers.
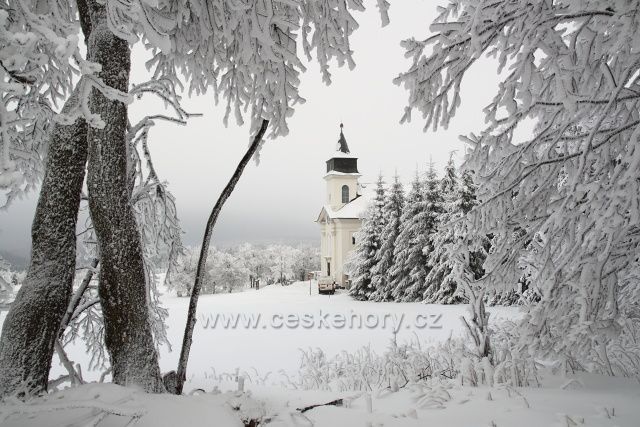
{"x": 260, "y": 353}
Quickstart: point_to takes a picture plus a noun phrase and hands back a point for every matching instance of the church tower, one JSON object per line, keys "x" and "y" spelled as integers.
{"x": 341, "y": 216}
{"x": 342, "y": 175}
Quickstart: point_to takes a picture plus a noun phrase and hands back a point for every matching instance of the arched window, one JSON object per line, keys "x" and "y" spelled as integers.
{"x": 345, "y": 194}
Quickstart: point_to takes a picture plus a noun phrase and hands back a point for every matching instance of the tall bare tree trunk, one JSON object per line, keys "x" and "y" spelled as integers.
{"x": 32, "y": 325}
{"x": 30, "y": 330}
{"x": 122, "y": 287}
{"x": 202, "y": 261}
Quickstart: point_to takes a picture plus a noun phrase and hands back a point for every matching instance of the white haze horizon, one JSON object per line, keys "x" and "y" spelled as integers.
{"x": 279, "y": 199}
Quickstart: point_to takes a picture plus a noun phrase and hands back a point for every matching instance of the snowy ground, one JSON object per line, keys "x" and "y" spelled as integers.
{"x": 281, "y": 320}
{"x": 275, "y": 344}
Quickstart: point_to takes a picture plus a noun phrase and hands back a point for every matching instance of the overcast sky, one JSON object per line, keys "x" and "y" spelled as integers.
{"x": 278, "y": 200}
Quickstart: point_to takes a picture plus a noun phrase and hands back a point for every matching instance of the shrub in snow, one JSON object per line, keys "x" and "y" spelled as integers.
{"x": 412, "y": 363}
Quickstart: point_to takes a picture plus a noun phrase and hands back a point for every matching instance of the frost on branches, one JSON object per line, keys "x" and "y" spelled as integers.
{"x": 564, "y": 203}
{"x": 245, "y": 52}
{"x": 35, "y": 76}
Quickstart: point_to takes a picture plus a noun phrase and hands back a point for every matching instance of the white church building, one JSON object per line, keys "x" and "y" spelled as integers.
{"x": 341, "y": 216}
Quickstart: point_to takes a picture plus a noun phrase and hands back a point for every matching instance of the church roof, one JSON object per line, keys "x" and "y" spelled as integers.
{"x": 355, "y": 209}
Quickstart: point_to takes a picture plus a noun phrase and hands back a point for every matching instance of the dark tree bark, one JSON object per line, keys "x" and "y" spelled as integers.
{"x": 31, "y": 328}
{"x": 32, "y": 325}
{"x": 202, "y": 261}
{"x": 122, "y": 288}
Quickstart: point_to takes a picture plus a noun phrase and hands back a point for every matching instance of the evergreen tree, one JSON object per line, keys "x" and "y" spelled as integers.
{"x": 441, "y": 286}
{"x": 410, "y": 265}
{"x": 381, "y": 279}
{"x": 424, "y": 224}
{"x": 368, "y": 243}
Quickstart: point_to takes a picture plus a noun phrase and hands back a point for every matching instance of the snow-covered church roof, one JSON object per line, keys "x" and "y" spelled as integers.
{"x": 355, "y": 209}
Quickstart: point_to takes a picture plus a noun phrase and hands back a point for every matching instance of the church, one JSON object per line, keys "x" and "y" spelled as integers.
{"x": 341, "y": 216}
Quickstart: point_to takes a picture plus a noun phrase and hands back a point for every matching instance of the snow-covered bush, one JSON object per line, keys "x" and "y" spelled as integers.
{"x": 414, "y": 363}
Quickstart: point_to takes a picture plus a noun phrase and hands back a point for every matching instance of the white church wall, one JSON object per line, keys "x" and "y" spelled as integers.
{"x": 335, "y": 181}
{"x": 345, "y": 228}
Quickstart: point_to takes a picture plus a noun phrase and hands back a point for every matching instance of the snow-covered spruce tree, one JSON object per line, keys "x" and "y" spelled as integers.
{"x": 573, "y": 185}
{"x": 440, "y": 285}
{"x": 416, "y": 225}
{"x": 381, "y": 277}
{"x": 425, "y": 224}
{"x": 457, "y": 202}
{"x": 364, "y": 257}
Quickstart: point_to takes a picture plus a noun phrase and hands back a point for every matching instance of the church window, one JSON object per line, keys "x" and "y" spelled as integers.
{"x": 345, "y": 194}
{"x": 353, "y": 239}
